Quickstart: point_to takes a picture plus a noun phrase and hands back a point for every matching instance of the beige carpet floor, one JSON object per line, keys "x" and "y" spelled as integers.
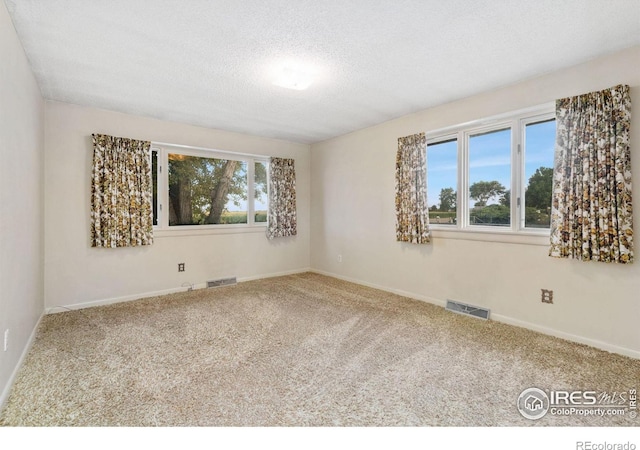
{"x": 303, "y": 350}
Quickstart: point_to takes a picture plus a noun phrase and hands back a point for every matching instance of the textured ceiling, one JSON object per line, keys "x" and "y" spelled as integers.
{"x": 211, "y": 63}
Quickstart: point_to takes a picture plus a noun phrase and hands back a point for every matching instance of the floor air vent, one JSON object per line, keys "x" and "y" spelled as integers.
{"x": 221, "y": 282}
{"x": 469, "y": 310}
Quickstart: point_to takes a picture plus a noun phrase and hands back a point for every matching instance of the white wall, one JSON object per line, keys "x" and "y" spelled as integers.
{"x": 76, "y": 273}
{"x": 352, "y": 195}
{"x": 21, "y": 204}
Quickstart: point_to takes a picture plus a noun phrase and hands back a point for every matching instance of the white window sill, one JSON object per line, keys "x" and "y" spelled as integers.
{"x": 207, "y": 230}
{"x": 489, "y": 235}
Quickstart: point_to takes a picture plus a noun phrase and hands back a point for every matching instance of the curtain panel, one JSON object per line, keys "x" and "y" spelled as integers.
{"x": 282, "y": 217}
{"x": 121, "y": 193}
{"x": 412, "y": 215}
{"x": 591, "y": 216}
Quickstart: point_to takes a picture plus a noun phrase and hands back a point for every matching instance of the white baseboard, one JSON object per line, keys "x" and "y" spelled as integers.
{"x": 112, "y": 300}
{"x": 439, "y": 302}
{"x": 415, "y": 296}
{"x": 275, "y": 274}
{"x": 128, "y": 298}
{"x": 498, "y": 318}
{"x": 7, "y": 388}
{"x": 567, "y": 336}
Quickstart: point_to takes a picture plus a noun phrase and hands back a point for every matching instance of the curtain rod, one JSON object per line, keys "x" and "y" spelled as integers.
{"x": 212, "y": 150}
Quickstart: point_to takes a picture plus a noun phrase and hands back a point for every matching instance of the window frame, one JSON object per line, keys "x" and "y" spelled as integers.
{"x": 163, "y": 150}
{"x": 467, "y": 135}
{"x": 515, "y": 121}
{"x": 441, "y": 140}
{"x": 522, "y": 151}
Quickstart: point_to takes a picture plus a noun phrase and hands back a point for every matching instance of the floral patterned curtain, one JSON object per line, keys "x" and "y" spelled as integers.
{"x": 591, "y": 217}
{"x": 412, "y": 215}
{"x": 282, "y": 219}
{"x": 121, "y": 196}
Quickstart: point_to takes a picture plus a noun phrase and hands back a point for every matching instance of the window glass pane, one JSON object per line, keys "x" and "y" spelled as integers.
{"x": 260, "y": 190}
{"x": 442, "y": 181}
{"x": 538, "y": 172}
{"x": 154, "y": 183}
{"x": 206, "y": 191}
{"x": 490, "y": 178}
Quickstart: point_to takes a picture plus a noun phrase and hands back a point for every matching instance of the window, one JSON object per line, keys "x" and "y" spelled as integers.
{"x": 207, "y": 189}
{"x": 442, "y": 181}
{"x": 493, "y": 175}
{"x": 490, "y": 178}
{"x": 260, "y": 192}
{"x": 539, "y": 144}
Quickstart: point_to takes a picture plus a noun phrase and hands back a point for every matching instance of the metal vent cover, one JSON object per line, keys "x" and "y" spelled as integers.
{"x": 467, "y": 310}
{"x": 222, "y": 282}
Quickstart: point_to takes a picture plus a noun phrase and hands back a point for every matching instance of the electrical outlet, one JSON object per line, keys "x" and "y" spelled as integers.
{"x": 180, "y": 267}
{"x": 6, "y": 339}
{"x": 339, "y": 258}
{"x": 547, "y": 296}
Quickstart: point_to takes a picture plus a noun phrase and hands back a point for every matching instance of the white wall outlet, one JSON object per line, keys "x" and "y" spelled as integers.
{"x": 339, "y": 258}
{"x": 6, "y": 339}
